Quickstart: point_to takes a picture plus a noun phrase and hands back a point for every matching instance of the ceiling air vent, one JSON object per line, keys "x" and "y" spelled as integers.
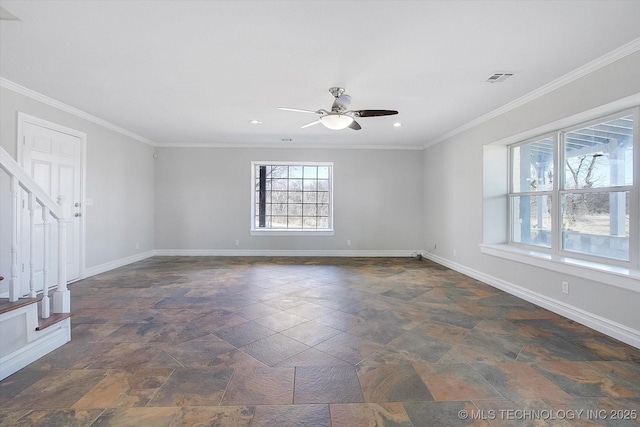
{"x": 498, "y": 77}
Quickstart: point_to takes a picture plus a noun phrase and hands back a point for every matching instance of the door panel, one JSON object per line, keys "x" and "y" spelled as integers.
{"x": 53, "y": 159}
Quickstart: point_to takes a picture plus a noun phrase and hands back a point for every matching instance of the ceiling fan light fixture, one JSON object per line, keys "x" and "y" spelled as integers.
{"x": 336, "y": 121}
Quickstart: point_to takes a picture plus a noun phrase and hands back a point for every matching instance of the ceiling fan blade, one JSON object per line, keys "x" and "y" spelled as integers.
{"x": 341, "y": 103}
{"x": 310, "y": 124}
{"x": 375, "y": 113}
{"x": 355, "y": 126}
{"x": 298, "y": 110}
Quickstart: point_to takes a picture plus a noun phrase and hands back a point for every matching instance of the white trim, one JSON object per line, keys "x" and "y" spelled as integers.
{"x": 103, "y": 268}
{"x": 603, "y": 61}
{"x": 52, "y": 337}
{"x": 609, "y": 109}
{"x": 290, "y": 145}
{"x": 291, "y": 232}
{"x": 7, "y": 84}
{"x": 600, "y": 324}
{"x": 621, "y": 277}
{"x": 82, "y": 136}
{"x": 285, "y": 253}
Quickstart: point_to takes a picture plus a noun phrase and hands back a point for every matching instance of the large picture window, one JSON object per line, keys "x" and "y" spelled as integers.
{"x": 292, "y": 196}
{"x": 575, "y": 191}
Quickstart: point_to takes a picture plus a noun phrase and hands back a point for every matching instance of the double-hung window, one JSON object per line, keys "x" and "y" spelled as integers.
{"x": 575, "y": 192}
{"x": 292, "y": 197}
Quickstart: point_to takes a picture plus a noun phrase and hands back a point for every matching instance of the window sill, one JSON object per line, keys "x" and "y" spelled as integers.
{"x": 315, "y": 233}
{"x": 622, "y": 277}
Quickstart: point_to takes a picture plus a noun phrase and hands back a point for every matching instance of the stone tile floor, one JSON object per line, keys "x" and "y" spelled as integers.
{"x": 207, "y": 341}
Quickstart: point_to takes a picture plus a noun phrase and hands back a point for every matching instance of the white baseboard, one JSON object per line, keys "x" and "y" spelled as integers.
{"x": 55, "y": 336}
{"x": 284, "y": 253}
{"x": 103, "y": 268}
{"x": 593, "y": 321}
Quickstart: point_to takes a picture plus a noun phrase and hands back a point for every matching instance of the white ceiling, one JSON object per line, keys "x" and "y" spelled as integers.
{"x": 196, "y": 72}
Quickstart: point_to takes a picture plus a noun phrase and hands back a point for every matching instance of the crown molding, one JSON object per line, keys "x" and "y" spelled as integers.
{"x": 291, "y": 145}
{"x": 603, "y": 61}
{"x": 8, "y": 84}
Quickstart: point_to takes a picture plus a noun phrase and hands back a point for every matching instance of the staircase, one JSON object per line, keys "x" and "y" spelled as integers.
{"x": 35, "y": 304}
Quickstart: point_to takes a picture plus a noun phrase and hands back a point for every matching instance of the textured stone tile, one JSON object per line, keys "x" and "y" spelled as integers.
{"x": 169, "y": 332}
{"x": 606, "y": 348}
{"x": 78, "y": 354}
{"x": 274, "y": 349}
{"x": 193, "y": 387}
{"x": 415, "y": 346}
{"x": 340, "y": 320}
{"x": 526, "y": 413}
{"x": 280, "y": 321}
{"x": 58, "y": 390}
{"x": 124, "y": 389}
{"x": 601, "y": 411}
{"x": 244, "y": 334}
{"x": 235, "y": 416}
{"x": 518, "y": 381}
{"x": 199, "y": 352}
{"x": 588, "y": 379}
{"x": 455, "y": 381}
{"x": 9, "y": 418}
{"x": 310, "y": 333}
{"x": 554, "y": 348}
{"x": 284, "y": 302}
{"x": 369, "y": 414}
{"x": 310, "y": 310}
{"x": 443, "y": 414}
{"x": 260, "y": 386}
{"x": 312, "y": 357}
{"x": 392, "y": 383}
{"x": 349, "y": 348}
{"x": 292, "y": 416}
{"x": 327, "y": 384}
{"x": 255, "y": 311}
{"x": 55, "y": 417}
{"x": 138, "y": 417}
{"x": 16, "y": 383}
{"x": 125, "y": 355}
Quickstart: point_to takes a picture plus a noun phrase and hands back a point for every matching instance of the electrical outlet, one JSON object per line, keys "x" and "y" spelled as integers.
{"x": 348, "y": 242}
{"x": 237, "y": 242}
{"x": 565, "y": 287}
{"x": 455, "y": 252}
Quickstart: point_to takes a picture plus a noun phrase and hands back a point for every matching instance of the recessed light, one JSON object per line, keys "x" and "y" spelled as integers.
{"x": 255, "y": 122}
{"x": 397, "y": 124}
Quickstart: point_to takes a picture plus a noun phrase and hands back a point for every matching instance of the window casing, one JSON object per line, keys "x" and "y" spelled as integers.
{"x": 589, "y": 207}
{"x": 292, "y": 197}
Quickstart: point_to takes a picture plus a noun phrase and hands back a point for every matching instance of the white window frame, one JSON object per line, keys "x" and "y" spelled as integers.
{"x": 496, "y": 242}
{"x": 556, "y": 251}
{"x": 255, "y": 231}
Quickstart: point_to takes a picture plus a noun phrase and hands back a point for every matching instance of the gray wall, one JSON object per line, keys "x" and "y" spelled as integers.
{"x": 119, "y": 179}
{"x": 453, "y": 187}
{"x": 203, "y": 199}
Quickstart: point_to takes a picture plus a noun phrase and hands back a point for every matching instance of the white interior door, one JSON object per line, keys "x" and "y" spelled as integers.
{"x": 53, "y": 158}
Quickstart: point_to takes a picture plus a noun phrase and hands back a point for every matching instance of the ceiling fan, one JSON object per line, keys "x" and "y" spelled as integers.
{"x": 339, "y": 117}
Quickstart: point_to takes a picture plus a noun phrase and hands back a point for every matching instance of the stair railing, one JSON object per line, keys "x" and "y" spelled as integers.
{"x": 59, "y": 211}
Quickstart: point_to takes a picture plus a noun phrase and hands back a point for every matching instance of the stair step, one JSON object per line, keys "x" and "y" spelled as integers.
{"x": 6, "y": 306}
{"x": 52, "y": 320}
